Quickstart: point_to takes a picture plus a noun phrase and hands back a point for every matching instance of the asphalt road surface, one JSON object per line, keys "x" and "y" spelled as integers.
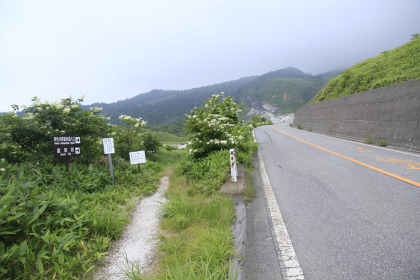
{"x": 352, "y": 211}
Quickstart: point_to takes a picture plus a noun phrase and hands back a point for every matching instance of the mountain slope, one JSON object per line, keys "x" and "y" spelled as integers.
{"x": 399, "y": 65}
{"x": 285, "y": 90}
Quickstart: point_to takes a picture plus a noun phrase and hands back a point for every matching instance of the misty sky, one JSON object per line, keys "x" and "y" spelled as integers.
{"x": 109, "y": 50}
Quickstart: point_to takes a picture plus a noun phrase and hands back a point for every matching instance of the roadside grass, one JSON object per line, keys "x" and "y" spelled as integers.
{"x": 196, "y": 237}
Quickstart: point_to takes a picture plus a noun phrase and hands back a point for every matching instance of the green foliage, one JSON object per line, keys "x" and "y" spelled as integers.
{"x": 300, "y": 127}
{"x": 215, "y": 127}
{"x": 29, "y": 138}
{"x": 151, "y": 143}
{"x": 58, "y": 225}
{"x": 257, "y": 120}
{"x": 127, "y": 136}
{"x": 369, "y": 140}
{"x": 391, "y": 67}
{"x": 383, "y": 143}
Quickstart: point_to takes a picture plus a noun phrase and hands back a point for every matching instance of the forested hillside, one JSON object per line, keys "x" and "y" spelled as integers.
{"x": 399, "y": 65}
{"x": 167, "y": 108}
{"x": 287, "y": 89}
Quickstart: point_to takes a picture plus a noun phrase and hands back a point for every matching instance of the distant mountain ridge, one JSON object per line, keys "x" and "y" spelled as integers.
{"x": 280, "y": 91}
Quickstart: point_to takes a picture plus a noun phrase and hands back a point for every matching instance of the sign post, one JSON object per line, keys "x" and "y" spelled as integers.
{"x": 66, "y": 146}
{"x": 137, "y": 158}
{"x": 233, "y": 168}
{"x": 108, "y": 150}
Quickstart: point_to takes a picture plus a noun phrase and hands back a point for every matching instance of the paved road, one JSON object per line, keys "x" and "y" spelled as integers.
{"x": 352, "y": 211}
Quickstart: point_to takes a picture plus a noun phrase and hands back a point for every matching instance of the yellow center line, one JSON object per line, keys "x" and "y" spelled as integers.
{"x": 356, "y": 161}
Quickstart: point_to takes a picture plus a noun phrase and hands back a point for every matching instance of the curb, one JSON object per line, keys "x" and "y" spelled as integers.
{"x": 239, "y": 227}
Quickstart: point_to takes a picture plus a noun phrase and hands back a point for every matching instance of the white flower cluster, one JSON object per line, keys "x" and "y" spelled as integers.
{"x": 217, "y": 142}
{"x": 137, "y": 121}
{"x": 29, "y": 116}
{"x": 57, "y": 105}
{"x": 96, "y": 109}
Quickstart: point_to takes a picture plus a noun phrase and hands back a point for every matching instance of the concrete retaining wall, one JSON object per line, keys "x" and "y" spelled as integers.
{"x": 390, "y": 113}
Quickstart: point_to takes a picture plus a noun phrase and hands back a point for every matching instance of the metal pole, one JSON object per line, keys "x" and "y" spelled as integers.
{"x": 139, "y": 167}
{"x": 67, "y": 164}
{"x": 110, "y": 167}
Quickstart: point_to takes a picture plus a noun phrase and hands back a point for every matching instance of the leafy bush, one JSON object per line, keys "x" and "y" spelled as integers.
{"x": 215, "y": 127}
{"x": 128, "y": 138}
{"x": 151, "y": 143}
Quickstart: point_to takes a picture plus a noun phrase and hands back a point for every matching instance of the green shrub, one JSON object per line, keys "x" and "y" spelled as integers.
{"x": 215, "y": 127}
{"x": 383, "y": 143}
{"x": 369, "y": 140}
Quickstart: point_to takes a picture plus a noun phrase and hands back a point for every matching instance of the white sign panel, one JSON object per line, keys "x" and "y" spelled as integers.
{"x": 233, "y": 168}
{"x": 137, "y": 157}
{"x": 108, "y": 145}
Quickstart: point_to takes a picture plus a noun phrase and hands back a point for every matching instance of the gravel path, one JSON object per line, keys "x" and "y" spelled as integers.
{"x": 138, "y": 243}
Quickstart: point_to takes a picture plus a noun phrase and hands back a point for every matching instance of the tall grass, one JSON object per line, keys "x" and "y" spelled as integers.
{"x": 55, "y": 225}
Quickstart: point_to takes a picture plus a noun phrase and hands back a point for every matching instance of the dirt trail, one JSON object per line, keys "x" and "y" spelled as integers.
{"x": 138, "y": 243}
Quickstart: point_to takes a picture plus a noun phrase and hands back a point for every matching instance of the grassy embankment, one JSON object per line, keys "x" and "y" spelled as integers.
{"x": 399, "y": 65}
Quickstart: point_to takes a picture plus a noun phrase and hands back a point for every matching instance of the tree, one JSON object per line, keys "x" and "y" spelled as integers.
{"x": 415, "y": 36}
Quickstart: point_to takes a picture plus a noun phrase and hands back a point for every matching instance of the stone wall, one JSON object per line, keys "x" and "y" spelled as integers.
{"x": 389, "y": 113}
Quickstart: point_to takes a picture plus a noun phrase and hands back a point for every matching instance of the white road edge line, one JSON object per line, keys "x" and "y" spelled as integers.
{"x": 290, "y": 267}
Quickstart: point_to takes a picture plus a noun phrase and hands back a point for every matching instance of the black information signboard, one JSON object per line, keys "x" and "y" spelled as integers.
{"x": 66, "y": 146}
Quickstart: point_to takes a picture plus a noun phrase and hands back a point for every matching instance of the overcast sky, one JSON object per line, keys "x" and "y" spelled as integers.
{"x": 109, "y": 50}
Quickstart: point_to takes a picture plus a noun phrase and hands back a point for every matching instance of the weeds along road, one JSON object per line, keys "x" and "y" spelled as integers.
{"x": 352, "y": 211}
